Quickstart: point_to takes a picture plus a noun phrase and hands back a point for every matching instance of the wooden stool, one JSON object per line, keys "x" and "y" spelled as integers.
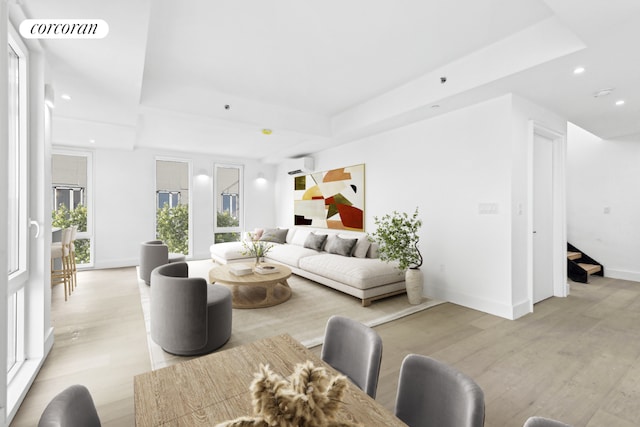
{"x": 60, "y": 250}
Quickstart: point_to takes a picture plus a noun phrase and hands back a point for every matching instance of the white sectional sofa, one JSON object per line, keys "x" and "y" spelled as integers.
{"x": 345, "y": 261}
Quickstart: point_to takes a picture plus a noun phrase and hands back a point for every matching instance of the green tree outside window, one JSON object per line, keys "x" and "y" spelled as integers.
{"x": 63, "y": 218}
{"x": 172, "y": 227}
{"x": 225, "y": 219}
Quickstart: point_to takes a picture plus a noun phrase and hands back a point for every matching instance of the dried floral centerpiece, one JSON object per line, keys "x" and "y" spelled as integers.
{"x": 311, "y": 396}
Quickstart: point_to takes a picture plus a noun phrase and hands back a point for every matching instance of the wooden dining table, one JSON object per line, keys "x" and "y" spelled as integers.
{"x": 215, "y": 388}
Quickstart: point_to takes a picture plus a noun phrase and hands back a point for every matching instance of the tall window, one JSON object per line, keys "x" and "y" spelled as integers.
{"x": 17, "y": 204}
{"x": 70, "y": 191}
{"x": 14, "y": 160}
{"x": 172, "y": 204}
{"x": 228, "y": 203}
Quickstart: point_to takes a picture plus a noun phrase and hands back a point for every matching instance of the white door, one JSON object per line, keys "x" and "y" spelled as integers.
{"x": 542, "y": 218}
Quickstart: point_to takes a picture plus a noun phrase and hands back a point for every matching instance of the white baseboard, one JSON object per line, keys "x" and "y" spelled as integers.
{"x": 48, "y": 342}
{"x": 622, "y": 274}
{"x": 116, "y": 263}
{"x": 521, "y": 309}
{"x": 495, "y": 308}
{"x": 134, "y": 262}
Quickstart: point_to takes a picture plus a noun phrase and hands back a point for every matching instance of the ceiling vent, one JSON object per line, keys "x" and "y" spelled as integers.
{"x": 603, "y": 92}
{"x": 300, "y": 166}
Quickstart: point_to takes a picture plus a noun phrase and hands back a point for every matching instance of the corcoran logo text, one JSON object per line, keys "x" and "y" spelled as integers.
{"x": 64, "y": 28}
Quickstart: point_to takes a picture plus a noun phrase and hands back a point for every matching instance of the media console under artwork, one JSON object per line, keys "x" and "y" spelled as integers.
{"x": 330, "y": 199}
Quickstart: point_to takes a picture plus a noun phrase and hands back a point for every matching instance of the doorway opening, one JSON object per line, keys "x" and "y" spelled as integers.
{"x": 547, "y": 225}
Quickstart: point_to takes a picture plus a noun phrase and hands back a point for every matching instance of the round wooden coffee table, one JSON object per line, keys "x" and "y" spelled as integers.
{"x": 254, "y": 290}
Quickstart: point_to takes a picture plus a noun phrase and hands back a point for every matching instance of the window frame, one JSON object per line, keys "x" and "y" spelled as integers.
{"x": 217, "y": 201}
{"x": 18, "y": 279}
{"x": 190, "y": 198}
{"x": 88, "y": 197}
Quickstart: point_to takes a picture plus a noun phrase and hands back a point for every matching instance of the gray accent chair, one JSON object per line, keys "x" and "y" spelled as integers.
{"x": 355, "y": 350}
{"x": 155, "y": 253}
{"x": 543, "y": 422}
{"x": 73, "y": 407}
{"x": 188, "y": 316}
{"x": 434, "y": 394}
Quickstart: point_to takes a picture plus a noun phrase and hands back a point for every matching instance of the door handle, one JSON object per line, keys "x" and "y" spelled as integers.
{"x": 35, "y": 224}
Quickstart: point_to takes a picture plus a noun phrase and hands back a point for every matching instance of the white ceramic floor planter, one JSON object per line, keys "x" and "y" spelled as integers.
{"x": 414, "y": 280}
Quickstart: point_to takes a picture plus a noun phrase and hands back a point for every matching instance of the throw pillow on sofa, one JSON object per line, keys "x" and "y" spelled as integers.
{"x": 315, "y": 241}
{"x": 373, "y": 251}
{"x": 331, "y": 241}
{"x": 252, "y": 236}
{"x": 361, "y": 248}
{"x": 257, "y": 233}
{"x": 341, "y": 246}
{"x": 300, "y": 237}
{"x": 274, "y": 235}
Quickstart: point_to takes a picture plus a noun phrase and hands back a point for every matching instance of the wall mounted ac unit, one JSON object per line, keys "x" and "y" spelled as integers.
{"x": 300, "y": 166}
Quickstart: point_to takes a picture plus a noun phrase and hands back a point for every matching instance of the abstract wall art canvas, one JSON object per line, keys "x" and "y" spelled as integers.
{"x": 330, "y": 199}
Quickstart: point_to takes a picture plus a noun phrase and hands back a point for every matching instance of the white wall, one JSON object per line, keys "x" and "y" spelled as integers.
{"x": 124, "y": 202}
{"x": 604, "y": 175}
{"x": 448, "y": 166}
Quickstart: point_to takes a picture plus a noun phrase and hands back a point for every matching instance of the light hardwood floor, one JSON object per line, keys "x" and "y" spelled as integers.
{"x": 576, "y": 359}
{"x": 100, "y": 341}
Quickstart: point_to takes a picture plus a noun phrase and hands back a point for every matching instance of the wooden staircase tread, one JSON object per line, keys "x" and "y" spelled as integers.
{"x": 580, "y": 265}
{"x": 573, "y": 255}
{"x": 590, "y": 268}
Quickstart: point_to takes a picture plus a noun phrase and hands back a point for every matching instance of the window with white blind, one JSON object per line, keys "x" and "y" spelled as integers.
{"x": 71, "y": 197}
{"x": 173, "y": 216}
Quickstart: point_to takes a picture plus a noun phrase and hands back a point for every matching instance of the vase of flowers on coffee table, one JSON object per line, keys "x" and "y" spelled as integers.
{"x": 255, "y": 248}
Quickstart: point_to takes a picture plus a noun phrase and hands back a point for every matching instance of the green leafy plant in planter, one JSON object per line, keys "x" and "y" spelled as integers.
{"x": 397, "y": 238}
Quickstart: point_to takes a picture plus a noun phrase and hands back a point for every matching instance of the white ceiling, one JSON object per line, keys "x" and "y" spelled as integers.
{"x": 323, "y": 73}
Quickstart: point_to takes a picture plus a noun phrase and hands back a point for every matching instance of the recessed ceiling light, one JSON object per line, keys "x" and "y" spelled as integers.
{"x": 66, "y": 97}
{"x": 92, "y": 141}
{"x": 620, "y": 102}
{"x": 578, "y": 70}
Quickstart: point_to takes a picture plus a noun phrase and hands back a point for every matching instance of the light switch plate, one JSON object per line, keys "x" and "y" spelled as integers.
{"x": 487, "y": 208}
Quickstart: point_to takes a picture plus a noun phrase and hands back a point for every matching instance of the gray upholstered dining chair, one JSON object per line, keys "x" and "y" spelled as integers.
{"x": 188, "y": 315}
{"x": 155, "y": 253}
{"x": 543, "y": 422}
{"x": 72, "y": 407}
{"x": 434, "y": 394}
{"x": 355, "y": 350}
